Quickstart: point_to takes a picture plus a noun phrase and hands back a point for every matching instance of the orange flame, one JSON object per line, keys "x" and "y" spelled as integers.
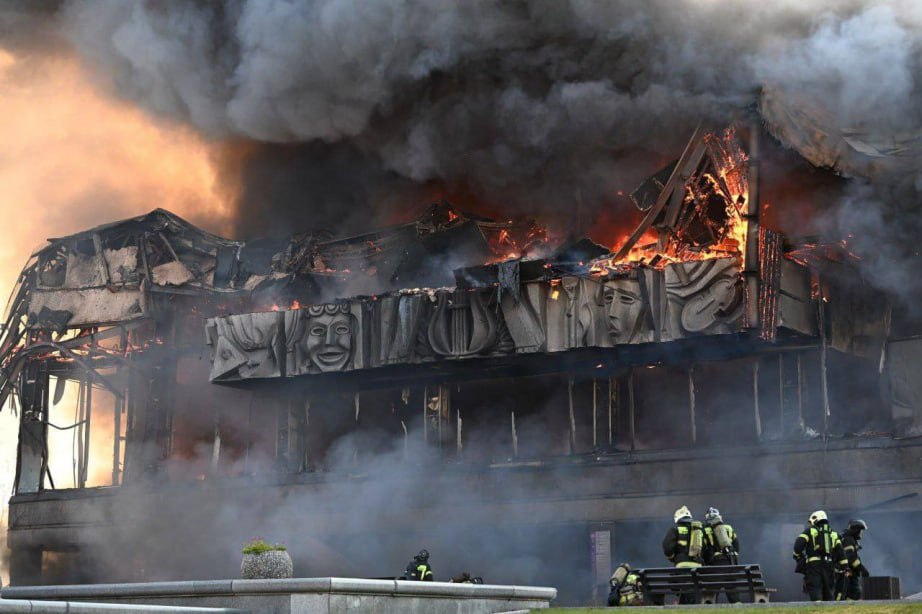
{"x": 660, "y": 248}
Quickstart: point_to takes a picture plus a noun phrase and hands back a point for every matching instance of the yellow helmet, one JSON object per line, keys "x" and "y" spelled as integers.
{"x": 682, "y": 514}
{"x": 818, "y": 516}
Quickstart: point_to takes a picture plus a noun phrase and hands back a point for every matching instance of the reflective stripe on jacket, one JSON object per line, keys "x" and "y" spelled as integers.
{"x": 820, "y": 544}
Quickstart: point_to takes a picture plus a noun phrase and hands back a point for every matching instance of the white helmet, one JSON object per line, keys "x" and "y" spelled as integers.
{"x": 681, "y": 514}
{"x": 712, "y": 516}
{"x": 818, "y": 516}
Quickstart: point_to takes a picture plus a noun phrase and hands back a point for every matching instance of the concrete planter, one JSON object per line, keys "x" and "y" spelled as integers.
{"x": 266, "y": 566}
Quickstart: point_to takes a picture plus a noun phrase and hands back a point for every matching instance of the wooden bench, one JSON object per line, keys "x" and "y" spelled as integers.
{"x": 705, "y": 583}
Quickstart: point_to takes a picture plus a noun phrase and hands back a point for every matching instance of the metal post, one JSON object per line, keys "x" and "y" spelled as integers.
{"x": 594, "y": 419}
{"x": 443, "y": 407}
{"x": 781, "y": 396}
{"x": 800, "y": 392}
{"x": 630, "y": 400}
{"x": 515, "y": 438}
{"x": 406, "y": 438}
{"x": 81, "y": 411}
{"x": 572, "y": 416}
{"x": 755, "y": 398}
{"x": 610, "y": 429}
{"x": 88, "y": 400}
{"x": 117, "y": 427}
{"x": 458, "y": 446}
{"x": 691, "y": 403}
{"x": 45, "y": 384}
{"x": 426, "y": 414}
{"x": 823, "y": 380}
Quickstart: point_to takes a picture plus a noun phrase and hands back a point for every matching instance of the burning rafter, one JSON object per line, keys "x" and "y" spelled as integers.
{"x": 695, "y": 206}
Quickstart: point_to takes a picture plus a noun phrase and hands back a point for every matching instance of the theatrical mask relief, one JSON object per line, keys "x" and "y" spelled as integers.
{"x": 645, "y": 305}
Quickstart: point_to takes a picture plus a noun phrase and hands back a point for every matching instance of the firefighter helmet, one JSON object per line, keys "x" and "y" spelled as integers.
{"x": 855, "y": 527}
{"x": 817, "y": 517}
{"x": 682, "y": 514}
{"x": 712, "y": 516}
{"x": 423, "y": 555}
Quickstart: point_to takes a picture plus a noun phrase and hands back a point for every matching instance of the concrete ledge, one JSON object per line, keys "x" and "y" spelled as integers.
{"x": 284, "y": 586}
{"x": 292, "y": 596}
{"x": 17, "y": 606}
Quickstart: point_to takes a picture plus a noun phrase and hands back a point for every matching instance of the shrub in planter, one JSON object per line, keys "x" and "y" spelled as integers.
{"x": 262, "y": 560}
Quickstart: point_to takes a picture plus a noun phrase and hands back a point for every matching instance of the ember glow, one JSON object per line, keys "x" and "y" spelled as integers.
{"x": 703, "y": 221}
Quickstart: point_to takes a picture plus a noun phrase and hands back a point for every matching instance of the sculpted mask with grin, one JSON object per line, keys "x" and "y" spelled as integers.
{"x": 329, "y": 341}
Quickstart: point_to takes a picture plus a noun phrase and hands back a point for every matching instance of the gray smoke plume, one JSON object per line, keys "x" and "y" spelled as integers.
{"x": 534, "y": 105}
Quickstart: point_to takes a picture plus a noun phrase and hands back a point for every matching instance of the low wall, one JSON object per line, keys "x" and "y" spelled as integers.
{"x": 21, "y": 606}
{"x": 306, "y": 595}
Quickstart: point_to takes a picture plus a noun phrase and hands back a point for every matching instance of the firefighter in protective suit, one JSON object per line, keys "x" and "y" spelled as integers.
{"x": 722, "y": 545}
{"x": 625, "y": 587}
{"x": 418, "y": 569}
{"x": 818, "y": 553}
{"x": 848, "y": 580}
{"x": 684, "y": 545}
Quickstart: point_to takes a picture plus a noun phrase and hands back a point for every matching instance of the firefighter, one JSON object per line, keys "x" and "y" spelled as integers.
{"x": 418, "y": 569}
{"x": 684, "y": 545}
{"x": 466, "y": 578}
{"x": 625, "y": 587}
{"x": 722, "y": 545}
{"x": 848, "y": 581}
{"x": 818, "y": 553}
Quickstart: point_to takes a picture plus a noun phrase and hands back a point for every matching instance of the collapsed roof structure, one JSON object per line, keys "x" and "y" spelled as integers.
{"x": 302, "y": 360}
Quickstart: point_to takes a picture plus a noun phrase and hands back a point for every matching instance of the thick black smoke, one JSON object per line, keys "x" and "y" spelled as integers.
{"x": 535, "y": 105}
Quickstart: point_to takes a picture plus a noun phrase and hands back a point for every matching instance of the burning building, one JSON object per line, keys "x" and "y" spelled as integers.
{"x": 529, "y": 409}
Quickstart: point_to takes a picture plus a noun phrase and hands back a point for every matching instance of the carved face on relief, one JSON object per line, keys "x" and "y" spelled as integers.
{"x": 328, "y": 337}
{"x": 623, "y": 308}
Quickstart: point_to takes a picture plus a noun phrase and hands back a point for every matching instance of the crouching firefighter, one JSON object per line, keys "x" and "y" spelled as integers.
{"x": 818, "y": 553}
{"x": 684, "y": 545}
{"x": 625, "y": 587}
{"x": 848, "y": 580}
{"x": 418, "y": 569}
{"x": 721, "y": 544}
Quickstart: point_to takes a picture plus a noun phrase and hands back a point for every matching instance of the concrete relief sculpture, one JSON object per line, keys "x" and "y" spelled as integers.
{"x": 395, "y": 328}
{"x": 324, "y": 338}
{"x": 467, "y": 323}
{"x": 704, "y": 297}
{"x": 576, "y": 315}
{"x": 245, "y": 346}
{"x": 628, "y": 316}
{"x": 646, "y": 305}
{"x": 526, "y": 317}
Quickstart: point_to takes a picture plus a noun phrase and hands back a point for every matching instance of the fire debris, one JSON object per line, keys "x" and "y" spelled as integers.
{"x": 696, "y": 205}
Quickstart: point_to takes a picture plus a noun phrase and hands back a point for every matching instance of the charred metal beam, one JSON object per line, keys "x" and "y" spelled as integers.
{"x": 671, "y": 216}
{"x": 663, "y": 198}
